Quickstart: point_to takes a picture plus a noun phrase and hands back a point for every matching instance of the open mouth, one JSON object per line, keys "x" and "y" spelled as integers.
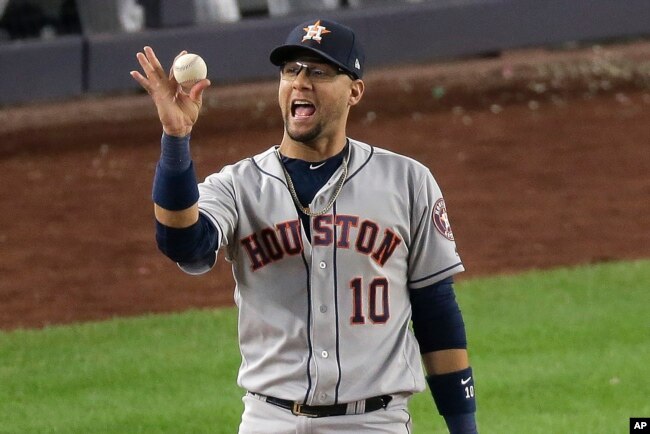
{"x": 302, "y": 109}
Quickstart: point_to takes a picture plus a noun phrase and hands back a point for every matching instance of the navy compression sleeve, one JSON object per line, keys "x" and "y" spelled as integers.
{"x": 437, "y": 320}
{"x": 174, "y": 185}
{"x": 188, "y": 245}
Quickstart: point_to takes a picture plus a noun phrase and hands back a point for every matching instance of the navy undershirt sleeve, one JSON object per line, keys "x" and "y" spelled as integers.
{"x": 188, "y": 245}
{"x": 437, "y": 319}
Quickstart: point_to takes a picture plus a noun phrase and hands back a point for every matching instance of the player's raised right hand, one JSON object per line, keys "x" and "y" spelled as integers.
{"x": 177, "y": 110}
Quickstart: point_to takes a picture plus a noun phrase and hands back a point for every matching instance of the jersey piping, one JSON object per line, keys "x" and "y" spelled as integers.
{"x": 309, "y": 343}
{"x": 372, "y": 152}
{"x": 436, "y": 273}
{"x": 336, "y": 309}
{"x": 269, "y": 174}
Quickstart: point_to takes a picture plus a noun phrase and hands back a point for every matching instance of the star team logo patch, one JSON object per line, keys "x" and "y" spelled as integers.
{"x": 315, "y": 32}
{"x": 441, "y": 220}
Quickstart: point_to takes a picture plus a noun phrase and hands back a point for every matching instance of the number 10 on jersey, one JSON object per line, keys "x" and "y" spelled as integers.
{"x": 374, "y": 303}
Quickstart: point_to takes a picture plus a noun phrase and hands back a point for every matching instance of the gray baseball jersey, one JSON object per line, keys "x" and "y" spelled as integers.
{"x": 326, "y": 320}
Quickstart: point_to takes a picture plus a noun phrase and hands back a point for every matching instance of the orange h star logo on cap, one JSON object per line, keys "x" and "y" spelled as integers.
{"x": 315, "y": 32}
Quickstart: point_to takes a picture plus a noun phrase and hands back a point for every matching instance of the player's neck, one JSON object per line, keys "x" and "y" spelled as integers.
{"x": 316, "y": 150}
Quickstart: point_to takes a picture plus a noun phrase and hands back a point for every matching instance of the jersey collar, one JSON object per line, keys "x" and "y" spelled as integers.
{"x": 360, "y": 153}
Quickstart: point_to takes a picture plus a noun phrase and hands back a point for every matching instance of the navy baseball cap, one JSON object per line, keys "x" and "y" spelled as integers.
{"x": 328, "y": 39}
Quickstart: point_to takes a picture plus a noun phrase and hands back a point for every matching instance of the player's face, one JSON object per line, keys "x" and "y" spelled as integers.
{"x": 315, "y": 98}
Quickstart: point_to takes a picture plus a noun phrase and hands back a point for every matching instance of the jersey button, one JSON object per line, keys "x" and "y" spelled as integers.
{"x": 325, "y": 354}
{"x": 323, "y": 308}
{"x": 322, "y": 264}
{"x": 323, "y": 396}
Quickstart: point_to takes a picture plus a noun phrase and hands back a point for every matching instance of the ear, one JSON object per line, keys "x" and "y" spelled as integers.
{"x": 356, "y": 92}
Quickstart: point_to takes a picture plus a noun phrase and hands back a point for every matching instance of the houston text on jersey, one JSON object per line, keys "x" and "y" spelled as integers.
{"x": 273, "y": 243}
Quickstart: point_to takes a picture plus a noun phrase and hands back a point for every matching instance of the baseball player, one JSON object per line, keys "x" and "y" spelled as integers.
{"x": 336, "y": 246}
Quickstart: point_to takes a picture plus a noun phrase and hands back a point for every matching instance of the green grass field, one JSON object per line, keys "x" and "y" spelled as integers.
{"x": 564, "y": 351}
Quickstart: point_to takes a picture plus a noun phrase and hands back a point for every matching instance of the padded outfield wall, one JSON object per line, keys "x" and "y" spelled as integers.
{"x": 238, "y": 52}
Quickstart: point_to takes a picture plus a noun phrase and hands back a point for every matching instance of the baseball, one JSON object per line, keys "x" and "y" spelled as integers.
{"x": 189, "y": 69}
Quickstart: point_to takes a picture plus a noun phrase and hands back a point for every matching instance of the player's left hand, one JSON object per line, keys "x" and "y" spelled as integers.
{"x": 177, "y": 110}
